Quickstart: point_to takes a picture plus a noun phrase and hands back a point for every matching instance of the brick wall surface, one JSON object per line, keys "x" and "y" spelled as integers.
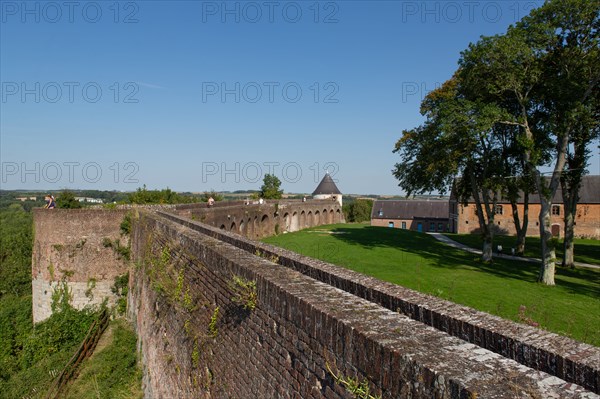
{"x": 69, "y": 246}
{"x": 587, "y": 220}
{"x": 548, "y": 352}
{"x": 300, "y": 326}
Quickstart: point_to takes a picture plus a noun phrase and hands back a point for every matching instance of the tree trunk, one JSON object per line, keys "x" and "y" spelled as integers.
{"x": 521, "y": 228}
{"x": 520, "y": 245}
{"x": 548, "y": 267}
{"x": 486, "y": 255}
{"x": 569, "y": 245}
{"x": 571, "y": 183}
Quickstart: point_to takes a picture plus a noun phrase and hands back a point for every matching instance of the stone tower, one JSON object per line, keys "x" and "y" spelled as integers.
{"x": 328, "y": 190}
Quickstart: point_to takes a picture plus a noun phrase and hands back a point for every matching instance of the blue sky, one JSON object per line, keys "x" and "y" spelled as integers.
{"x": 211, "y": 95}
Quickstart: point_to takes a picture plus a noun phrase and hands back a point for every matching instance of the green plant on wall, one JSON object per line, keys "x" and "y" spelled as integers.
{"x": 91, "y": 284}
{"x": 212, "y": 325}
{"x": 195, "y": 354}
{"x": 51, "y": 271}
{"x": 245, "y": 292}
{"x": 360, "y": 389}
{"x": 122, "y": 251}
{"x": 61, "y": 296}
{"x": 126, "y": 224}
{"x": 121, "y": 288}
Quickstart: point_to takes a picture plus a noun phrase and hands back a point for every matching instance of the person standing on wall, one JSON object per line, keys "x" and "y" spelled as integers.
{"x": 50, "y": 202}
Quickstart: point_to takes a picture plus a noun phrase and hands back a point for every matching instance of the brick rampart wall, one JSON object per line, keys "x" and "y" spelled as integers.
{"x": 282, "y": 348}
{"x": 557, "y": 355}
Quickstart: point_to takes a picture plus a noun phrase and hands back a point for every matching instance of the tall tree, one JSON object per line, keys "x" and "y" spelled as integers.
{"x": 457, "y": 138}
{"x": 565, "y": 36}
{"x": 542, "y": 75}
{"x": 270, "y": 188}
{"x": 66, "y": 199}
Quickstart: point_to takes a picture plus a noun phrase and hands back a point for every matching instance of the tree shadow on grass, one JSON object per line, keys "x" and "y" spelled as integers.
{"x": 443, "y": 256}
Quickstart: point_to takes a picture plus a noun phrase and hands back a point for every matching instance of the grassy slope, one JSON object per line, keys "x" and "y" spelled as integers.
{"x": 418, "y": 261}
{"x": 586, "y": 251}
{"x": 112, "y": 371}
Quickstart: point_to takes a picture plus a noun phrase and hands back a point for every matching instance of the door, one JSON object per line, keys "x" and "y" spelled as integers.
{"x": 420, "y": 227}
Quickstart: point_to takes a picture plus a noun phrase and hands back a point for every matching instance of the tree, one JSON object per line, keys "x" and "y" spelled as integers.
{"x": 270, "y": 188}
{"x": 358, "y": 211}
{"x": 66, "y": 200}
{"x": 457, "y": 138}
{"x": 165, "y": 196}
{"x": 541, "y": 75}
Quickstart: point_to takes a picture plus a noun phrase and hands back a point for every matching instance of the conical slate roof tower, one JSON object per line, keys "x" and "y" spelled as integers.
{"x": 327, "y": 186}
{"x": 327, "y": 190}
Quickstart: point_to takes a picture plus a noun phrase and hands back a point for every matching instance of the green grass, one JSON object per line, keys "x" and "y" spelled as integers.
{"x": 586, "y": 251}
{"x": 112, "y": 371}
{"x": 418, "y": 261}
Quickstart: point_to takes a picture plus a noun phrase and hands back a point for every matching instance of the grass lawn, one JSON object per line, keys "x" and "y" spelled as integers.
{"x": 586, "y": 251}
{"x": 418, "y": 261}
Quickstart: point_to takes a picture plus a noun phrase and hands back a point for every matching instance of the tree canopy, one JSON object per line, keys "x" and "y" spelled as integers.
{"x": 518, "y": 103}
{"x": 270, "y": 188}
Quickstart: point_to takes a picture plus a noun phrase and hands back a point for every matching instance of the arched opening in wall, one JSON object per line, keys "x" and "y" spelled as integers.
{"x": 338, "y": 216}
{"x": 309, "y": 219}
{"x": 255, "y": 231}
{"x": 294, "y": 226}
{"x": 317, "y": 218}
{"x": 287, "y": 220}
{"x": 249, "y": 229}
{"x": 242, "y": 226}
{"x": 302, "y": 220}
{"x": 264, "y": 226}
{"x": 222, "y": 227}
{"x": 232, "y": 227}
{"x": 330, "y": 218}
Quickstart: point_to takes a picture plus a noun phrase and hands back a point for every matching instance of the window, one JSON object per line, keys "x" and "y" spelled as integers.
{"x": 432, "y": 226}
{"x": 499, "y": 210}
{"x": 556, "y": 210}
{"x": 380, "y": 212}
{"x": 440, "y": 226}
{"x": 390, "y": 224}
{"x": 404, "y": 225}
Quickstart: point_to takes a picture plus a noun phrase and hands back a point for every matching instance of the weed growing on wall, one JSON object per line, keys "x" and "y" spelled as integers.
{"x": 91, "y": 284}
{"x": 212, "y": 325}
{"x": 122, "y": 251}
{"x": 121, "y": 288}
{"x": 244, "y": 291}
{"x": 360, "y": 389}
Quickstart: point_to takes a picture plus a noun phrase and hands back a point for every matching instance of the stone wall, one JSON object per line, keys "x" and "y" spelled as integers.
{"x": 301, "y": 332}
{"x": 79, "y": 246}
{"x": 72, "y": 246}
{"x": 548, "y": 352}
{"x": 261, "y": 220}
